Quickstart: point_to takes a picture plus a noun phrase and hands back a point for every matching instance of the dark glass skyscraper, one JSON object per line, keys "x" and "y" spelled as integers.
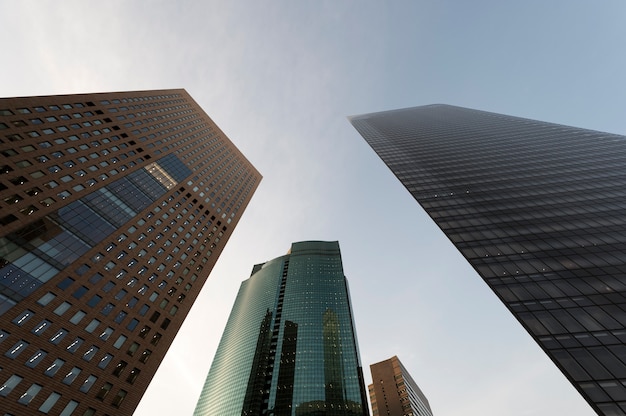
{"x": 289, "y": 346}
{"x": 114, "y": 208}
{"x": 539, "y": 211}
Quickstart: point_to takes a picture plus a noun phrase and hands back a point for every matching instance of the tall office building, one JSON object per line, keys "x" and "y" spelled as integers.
{"x": 539, "y": 211}
{"x": 393, "y": 391}
{"x": 114, "y": 209}
{"x": 289, "y": 346}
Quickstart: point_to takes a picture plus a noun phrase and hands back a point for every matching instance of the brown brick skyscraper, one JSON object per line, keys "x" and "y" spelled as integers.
{"x": 393, "y": 391}
{"x": 114, "y": 209}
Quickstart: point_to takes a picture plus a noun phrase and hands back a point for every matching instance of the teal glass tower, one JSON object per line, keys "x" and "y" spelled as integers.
{"x": 289, "y": 347}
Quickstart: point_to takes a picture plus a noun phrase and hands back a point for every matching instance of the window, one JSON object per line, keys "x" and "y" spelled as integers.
{"x": 120, "y": 294}
{"x": 78, "y": 316}
{"x": 89, "y": 354}
{"x": 94, "y": 300}
{"x": 145, "y": 355}
{"x": 78, "y": 293}
{"x": 165, "y": 323}
{"x": 132, "y": 349}
{"x": 30, "y": 394}
{"x": 119, "y": 368}
{"x": 71, "y": 376}
{"x": 22, "y": 318}
{"x": 132, "y": 324}
{"x": 92, "y": 325}
{"x": 9, "y": 385}
{"x": 132, "y": 302}
{"x": 75, "y": 344}
{"x": 107, "y": 309}
{"x": 104, "y": 390}
{"x": 143, "y": 310}
{"x": 156, "y": 338}
{"x": 54, "y": 367}
{"x": 120, "y": 317}
{"x": 16, "y": 349}
{"x": 132, "y": 376}
{"x": 50, "y": 402}
{"x": 104, "y": 361}
{"x": 36, "y": 358}
{"x": 119, "y": 398}
{"x": 67, "y": 410}
{"x": 56, "y": 338}
{"x": 155, "y": 316}
{"x": 88, "y": 383}
{"x": 65, "y": 283}
{"x": 106, "y": 333}
{"x": 120, "y": 341}
{"x": 62, "y": 308}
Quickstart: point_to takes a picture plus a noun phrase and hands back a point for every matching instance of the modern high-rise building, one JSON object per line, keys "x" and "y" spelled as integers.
{"x": 393, "y": 391}
{"x": 289, "y": 346}
{"x": 539, "y": 211}
{"x": 114, "y": 209}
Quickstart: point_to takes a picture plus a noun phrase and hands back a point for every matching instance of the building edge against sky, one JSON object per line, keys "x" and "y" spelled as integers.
{"x": 393, "y": 391}
{"x": 289, "y": 346}
{"x": 538, "y": 209}
{"x": 114, "y": 209}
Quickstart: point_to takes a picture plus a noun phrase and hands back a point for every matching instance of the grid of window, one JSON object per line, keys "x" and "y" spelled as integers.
{"x": 107, "y": 186}
{"x": 538, "y": 210}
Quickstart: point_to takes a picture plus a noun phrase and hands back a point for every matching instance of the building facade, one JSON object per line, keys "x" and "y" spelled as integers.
{"x": 289, "y": 346}
{"x": 393, "y": 391}
{"x": 539, "y": 211}
{"x": 114, "y": 209}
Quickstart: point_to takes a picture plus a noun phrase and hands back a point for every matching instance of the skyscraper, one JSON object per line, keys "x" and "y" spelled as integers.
{"x": 393, "y": 391}
{"x": 539, "y": 211}
{"x": 114, "y": 209}
{"x": 289, "y": 346}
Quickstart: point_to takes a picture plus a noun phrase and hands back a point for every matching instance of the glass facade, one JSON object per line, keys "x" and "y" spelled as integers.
{"x": 114, "y": 208}
{"x": 538, "y": 209}
{"x": 289, "y": 346}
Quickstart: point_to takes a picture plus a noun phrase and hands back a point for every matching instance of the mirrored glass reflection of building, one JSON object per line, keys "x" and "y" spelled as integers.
{"x": 539, "y": 210}
{"x": 289, "y": 347}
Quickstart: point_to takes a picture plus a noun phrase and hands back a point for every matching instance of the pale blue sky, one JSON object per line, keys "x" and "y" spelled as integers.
{"x": 280, "y": 77}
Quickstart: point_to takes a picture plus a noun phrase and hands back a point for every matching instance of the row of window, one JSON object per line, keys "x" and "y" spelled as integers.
{"x": 26, "y": 398}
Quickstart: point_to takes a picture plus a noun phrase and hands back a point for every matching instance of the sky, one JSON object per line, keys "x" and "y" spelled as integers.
{"x": 280, "y": 78}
